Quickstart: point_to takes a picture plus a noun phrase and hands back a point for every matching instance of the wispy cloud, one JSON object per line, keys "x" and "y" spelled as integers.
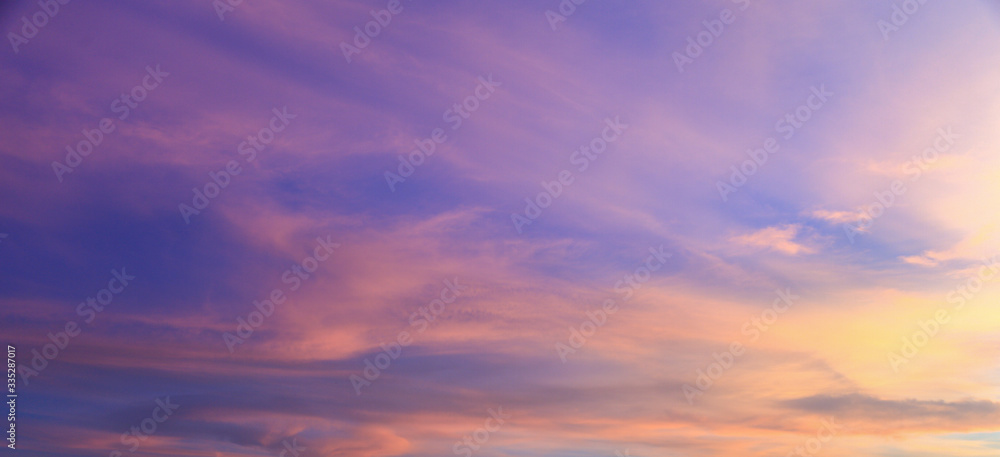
{"x": 779, "y": 238}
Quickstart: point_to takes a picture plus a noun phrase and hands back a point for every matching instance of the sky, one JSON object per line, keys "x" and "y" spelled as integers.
{"x": 501, "y": 229}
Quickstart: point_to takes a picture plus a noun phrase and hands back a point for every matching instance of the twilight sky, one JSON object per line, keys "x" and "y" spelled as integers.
{"x": 502, "y": 229}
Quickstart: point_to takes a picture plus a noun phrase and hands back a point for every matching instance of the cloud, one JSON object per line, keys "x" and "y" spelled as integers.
{"x": 921, "y": 260}
{"x": 838, "y": 217}
{"x": 870, "y": 414}
{"x": 494, "y": 346}
{"x": 778, "y": 238}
